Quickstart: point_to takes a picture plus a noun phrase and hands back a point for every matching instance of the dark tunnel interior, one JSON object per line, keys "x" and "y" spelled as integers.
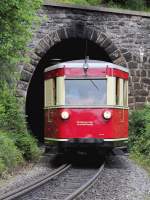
{"x": 66, "y": 50}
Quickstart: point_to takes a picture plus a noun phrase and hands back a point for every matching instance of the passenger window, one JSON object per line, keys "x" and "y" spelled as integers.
{"x": 125, "y": 95}
{"x": 50, "y": 92}
{"x": 119, "y": 91}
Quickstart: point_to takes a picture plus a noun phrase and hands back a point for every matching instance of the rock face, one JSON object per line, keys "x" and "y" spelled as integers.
{"x": 124, "y": 36}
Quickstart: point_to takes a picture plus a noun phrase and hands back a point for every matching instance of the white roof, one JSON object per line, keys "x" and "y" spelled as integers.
{"x": 91, "y": 64}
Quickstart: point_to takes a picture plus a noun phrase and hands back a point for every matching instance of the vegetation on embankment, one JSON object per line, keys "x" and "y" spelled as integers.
{"x": 16, "y": 144}
{"x": 141, "y": 5}
{"x": 139, "y": 136}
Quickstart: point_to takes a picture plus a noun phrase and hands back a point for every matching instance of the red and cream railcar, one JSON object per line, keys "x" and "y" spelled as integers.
{"x": 86, "y": 103}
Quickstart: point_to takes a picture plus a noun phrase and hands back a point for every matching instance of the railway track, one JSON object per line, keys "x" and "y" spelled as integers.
{"x": 66, "y": 182}
{"x": 35, "y": 184}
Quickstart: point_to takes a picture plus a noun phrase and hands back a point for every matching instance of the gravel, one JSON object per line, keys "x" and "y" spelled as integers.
{"x": 27, "y": 174}
{"x": 121, "y": 179}
{"x": 61, "y": 186}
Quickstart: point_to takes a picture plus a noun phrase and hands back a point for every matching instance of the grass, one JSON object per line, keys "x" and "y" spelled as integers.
{"x": 110, "y": 4}
{"x": 141, "y": 160}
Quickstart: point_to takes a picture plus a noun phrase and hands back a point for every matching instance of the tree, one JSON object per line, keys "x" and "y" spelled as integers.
{"x": 16, "y": 19}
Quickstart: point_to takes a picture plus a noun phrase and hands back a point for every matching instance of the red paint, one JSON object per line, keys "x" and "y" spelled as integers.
{"x": 117, "y": 73}
{"x": 79, "y": 72}
{"x": 54, "y": 73}
{"x": 86, "y": 123}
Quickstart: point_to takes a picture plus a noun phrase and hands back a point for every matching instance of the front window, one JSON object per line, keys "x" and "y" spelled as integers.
{"x": 85, "y": 92}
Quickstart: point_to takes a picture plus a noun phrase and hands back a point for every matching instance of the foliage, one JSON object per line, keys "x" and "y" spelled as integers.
{"x": 139, "y": 129}
{"x": 27, "y": 145}
{"x": 10, "y": 156}
{"x": 17, "y": 17}
{"x": 81, "y": 2}
{"x": 124, "y": 4}
{"x": 11, "y": 116}
{"x": 16, "y": 20}
{"x": 17, "y": 144}
{"x": 135, "y": 4}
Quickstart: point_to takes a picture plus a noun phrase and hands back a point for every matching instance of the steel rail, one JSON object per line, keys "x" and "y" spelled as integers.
{"x": 86, "y": 186}
{"x": 23, "y": 190}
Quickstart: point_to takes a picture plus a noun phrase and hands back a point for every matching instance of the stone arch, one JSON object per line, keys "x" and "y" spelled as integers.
{"x": 78, "y": 30}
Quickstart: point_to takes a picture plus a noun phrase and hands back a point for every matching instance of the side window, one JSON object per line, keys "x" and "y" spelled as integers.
{"x": 111, "y": 91}
{"x": 50, "y": 92}
{"x": 119, "y": 91}
{"x": 60, "y": 91}
{"x": 125, "y": 95}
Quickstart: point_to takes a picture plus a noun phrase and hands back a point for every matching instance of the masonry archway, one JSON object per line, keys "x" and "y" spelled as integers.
{"x": 65, "y": 44}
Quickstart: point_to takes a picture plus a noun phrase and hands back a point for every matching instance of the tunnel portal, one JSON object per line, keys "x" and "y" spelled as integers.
{"x": 66, "y": 50}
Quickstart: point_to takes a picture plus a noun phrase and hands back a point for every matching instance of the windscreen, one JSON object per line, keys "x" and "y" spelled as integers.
{"x": 85, "y": 92}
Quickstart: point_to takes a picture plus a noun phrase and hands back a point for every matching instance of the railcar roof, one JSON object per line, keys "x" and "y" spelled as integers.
{"x": 91, "y": 64}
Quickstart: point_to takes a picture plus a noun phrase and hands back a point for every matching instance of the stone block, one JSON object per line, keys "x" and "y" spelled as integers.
{"x": 131, "y": 100}
{"x": 34, "y": 56}
{"x": 132, "y": 72}
{"x": 120, "y": 61}
{"x": 111, "y": 49}
{"x": 22, "y": 85}
{"x": 137, "y": 86}
{"x": 101, "y": 37}
{"x": 132, "y": 65}
{"x": 137, "y": 73}
{"x": 139, "y": 105}
{"x": 62, "y": 33}
{"x": 40, "y": 51}
{"x": 143, "y": 73}
{"x": 28, "y": 67}
{"x": 54, "y": 37}
{"x": 140, "y": 99}
{"x": 146, "y": 80}
{"x": 128, "y": 56}
{"x": 94, "y": 36}
{"x": 106, "y": 43}
{"x": 135, "y": 78}
{"x": 25, "y": 76}
{"x": 146, "y": 66}
{"x": 21, "y": 93}
{"x": 115, "y": 55}
{"x": 143, "y": 92}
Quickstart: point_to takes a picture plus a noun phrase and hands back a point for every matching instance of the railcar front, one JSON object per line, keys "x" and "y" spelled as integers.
{"x": 86, "y": 104}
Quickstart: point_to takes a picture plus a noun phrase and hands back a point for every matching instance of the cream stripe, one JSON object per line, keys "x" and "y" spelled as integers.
{"x": 55, "y": 139}
{"x": 113, "y": 140}
{"x": 105, "y": 140}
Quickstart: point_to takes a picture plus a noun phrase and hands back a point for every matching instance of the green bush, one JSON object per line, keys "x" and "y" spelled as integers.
{"x": 10, "y": 156}
{"x": 27, "y": 144}
{"x": 94, "y": 2}
{"x": 12, "y": 121}
{"x": 2, "y": 167}
{"x": 11, "y": 116}
{"x": 135, "y": 4}
{"x": 139, "y": 131}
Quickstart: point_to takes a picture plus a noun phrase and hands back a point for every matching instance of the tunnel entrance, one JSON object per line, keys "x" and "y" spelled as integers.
{"x": 66, "y": 50}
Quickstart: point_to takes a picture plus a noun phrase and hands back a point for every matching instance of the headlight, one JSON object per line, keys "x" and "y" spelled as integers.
{"x": 107, "y": 115}
{"x": 64, "y": 115}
